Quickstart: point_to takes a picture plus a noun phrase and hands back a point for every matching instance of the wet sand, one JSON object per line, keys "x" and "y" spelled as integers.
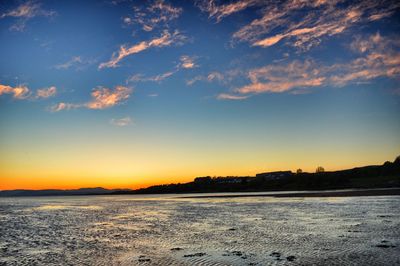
{"x": 166, "y": 230}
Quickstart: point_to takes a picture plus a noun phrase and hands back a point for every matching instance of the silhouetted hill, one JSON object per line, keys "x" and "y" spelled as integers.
{"x": 57, "y": 192}
{"x": 373, "y": 176}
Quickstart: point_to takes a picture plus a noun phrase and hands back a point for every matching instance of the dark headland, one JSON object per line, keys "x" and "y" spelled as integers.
{"x": 360, "y": 181}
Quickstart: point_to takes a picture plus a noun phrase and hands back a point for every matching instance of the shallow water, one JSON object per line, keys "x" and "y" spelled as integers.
{"x": 166, "y": 230}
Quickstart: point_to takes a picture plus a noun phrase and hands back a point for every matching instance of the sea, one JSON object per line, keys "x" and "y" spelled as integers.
{"x": 172, "y": 230}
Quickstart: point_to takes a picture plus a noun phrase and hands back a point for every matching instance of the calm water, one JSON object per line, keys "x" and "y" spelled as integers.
{"x": 164, "y": 230}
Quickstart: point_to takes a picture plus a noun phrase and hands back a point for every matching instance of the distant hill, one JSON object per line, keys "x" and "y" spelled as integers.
{"x": 58, "y": 192}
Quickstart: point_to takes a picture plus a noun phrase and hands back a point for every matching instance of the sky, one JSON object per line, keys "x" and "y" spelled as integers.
{"x": 128, "y": 94}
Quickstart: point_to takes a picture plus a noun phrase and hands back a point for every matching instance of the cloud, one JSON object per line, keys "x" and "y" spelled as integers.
{"x": 22, "y": 92}
{"x": 101, "y": 98}
{"x": 64, "y": 106}
{"x": 187, "y": 62}
{"x": 225, "y": 96}
{"x": 150, "y": 17}
{"x": 46, "y": 92}
{"x": 157, "y": 78}
{"x": 283, "y": 77}
{"x": 212, "y": 76}
{"x": 378, "y": 57}
{"x": 303, "y": 24}
{"x": 104, "y": 97}
{"x": 19, "y": 92}
{"x": 25, "y": 12}
{"x": 166, "y": 39}
{"x": 220, "y": 11}
{"x": 76, "y": 62}
{"x": 121, "y": 122}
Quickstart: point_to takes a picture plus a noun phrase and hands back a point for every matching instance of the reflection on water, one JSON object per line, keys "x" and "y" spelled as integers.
{"x": 166, "y": 230}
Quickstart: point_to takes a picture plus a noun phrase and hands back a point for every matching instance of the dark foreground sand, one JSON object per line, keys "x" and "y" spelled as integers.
{"x": 339, "y": 193}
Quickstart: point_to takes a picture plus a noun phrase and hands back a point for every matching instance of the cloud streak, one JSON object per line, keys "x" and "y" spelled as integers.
{"x": 218, "y": 12}
{"x": 22, "y": 92}
{"x": 76, "y": 62}
{"x": 186, "y": 62}
{"x": 226, "y": 96}
{"x": 121, "y": 122}
{"x": 379, "y": 57}
{"x": 25, "y": 12}
{"x": 101, "y": 98}
{"x": 319, "y": 19}
{"x": 158, "y": 13}
{"x": 166, "y": 39}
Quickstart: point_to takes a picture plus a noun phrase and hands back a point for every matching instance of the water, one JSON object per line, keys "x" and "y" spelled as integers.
{"x": 165, "y": 230}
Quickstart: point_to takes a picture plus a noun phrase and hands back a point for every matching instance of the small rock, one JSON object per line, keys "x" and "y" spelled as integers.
{"x": 291, "y": 258}
{"x": 199, "y": 254}
{"x": 237, "y": 253}
{"x": 232, "y": 229}
{"x": 142, "y": 258}
{"x": 176, "y": 249}
{"x": 385, "y": 246}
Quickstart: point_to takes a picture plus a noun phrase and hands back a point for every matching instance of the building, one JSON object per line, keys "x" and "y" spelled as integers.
{"x": 274, "y": 175}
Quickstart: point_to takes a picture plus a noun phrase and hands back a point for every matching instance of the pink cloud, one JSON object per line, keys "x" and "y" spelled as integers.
{"x": 166, "y": 39}
{"x": 322, "y": 19}
{"x": 23, "y": 92}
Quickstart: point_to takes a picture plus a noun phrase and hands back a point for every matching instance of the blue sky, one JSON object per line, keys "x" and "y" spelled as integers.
{"x": 130, "y": 93}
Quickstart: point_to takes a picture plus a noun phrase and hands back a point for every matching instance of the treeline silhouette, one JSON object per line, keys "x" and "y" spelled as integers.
{"x": 374, "y": 176}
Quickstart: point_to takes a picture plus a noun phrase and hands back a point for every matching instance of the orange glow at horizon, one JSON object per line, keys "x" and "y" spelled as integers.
{"x": 41, "y": 180}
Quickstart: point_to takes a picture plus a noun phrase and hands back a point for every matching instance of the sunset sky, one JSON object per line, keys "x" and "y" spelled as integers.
{"x": 127, "y": 94}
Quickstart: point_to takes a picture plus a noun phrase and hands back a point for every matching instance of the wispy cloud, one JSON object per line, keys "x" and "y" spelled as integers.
{"x": 64, "y": 106}
{"x": 216, "y": 76}
{"x": 76, "y": 62}
{"x": 121, "y": 122}
{"x": 25, "y": 12}
{"x": 186, "y": 62}
{"x": 158, "y": 13}
{"x": 378, "y": 57}
{"x": 283, "y": 77}
{"x": 101, "y": 98}
{"x": 318, "y": 19}
{"x": 226, "y": 96}
{"x": 166, "y": 39}
{"x": 220, "y": 11}
{"x": 46, "y": 92}
{"x": 23, "y": 92}
{"x": 156, "y": 78}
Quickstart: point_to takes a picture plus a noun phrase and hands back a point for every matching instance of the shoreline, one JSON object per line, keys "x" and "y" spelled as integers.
{"x": 311, "y": 194}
